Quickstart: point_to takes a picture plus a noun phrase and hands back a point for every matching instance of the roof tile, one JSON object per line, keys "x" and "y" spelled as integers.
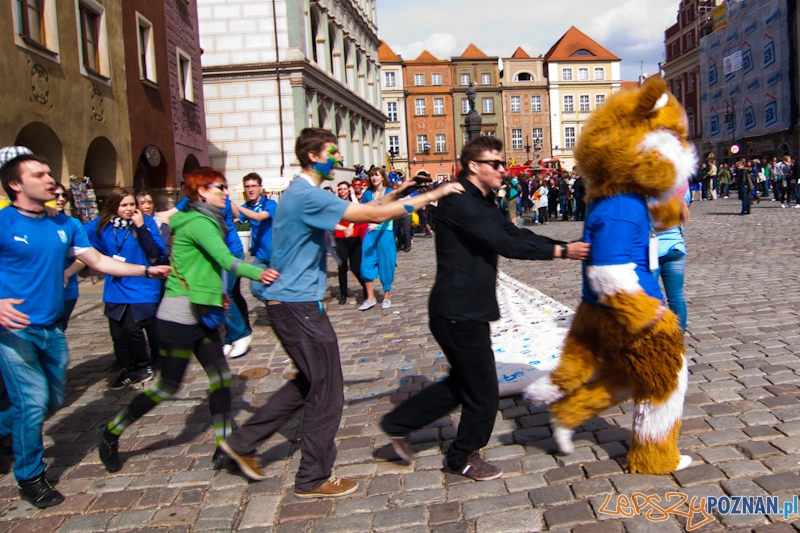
{"x": 574, "y": 41}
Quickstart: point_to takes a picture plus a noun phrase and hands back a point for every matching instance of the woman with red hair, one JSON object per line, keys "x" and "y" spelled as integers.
{"x": 191, "y": 312}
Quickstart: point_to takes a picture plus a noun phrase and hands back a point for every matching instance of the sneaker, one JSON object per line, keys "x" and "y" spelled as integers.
{"x": 774, "y": 200}
{"x": 726, "y": 197}
{"x": 333, "y": 488}
{"x": 386, "y": 304}
{"x": 367, "y": 304}
{"x": 249, "y": 465}
{"x": 226, "y": 350}
{"x": 479, "y": 469}
{"x": 342, "y": 300}
{"x": 108, "y": 449}
{"x": 402, "y": 447}
{"x": 39, "y": 492}
{"x": 797, "y": 206}
{"x": 240, "y": 347}
{"x": 146, "y": 374}
{"x": 122, "y": 381}
{"x": 784, "y": 205}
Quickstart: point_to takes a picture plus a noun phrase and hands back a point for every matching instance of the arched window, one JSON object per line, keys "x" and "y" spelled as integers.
{"x": 582, "y": 52}
{"x": 524, "y": 76}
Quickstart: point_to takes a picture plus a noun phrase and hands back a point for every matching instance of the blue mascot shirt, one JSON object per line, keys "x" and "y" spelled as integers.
{"x": 618, "y": 228}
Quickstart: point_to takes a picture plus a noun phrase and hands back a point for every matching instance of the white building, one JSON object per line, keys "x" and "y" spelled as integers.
{"x": 271, "y": 68}
{"x": 394, "y": 107}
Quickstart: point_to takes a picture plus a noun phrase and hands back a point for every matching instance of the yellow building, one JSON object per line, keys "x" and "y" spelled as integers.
{"x": 581, "y": 75}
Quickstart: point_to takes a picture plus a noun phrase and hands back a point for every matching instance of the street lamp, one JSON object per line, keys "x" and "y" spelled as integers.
{"x": 527, "y": 149}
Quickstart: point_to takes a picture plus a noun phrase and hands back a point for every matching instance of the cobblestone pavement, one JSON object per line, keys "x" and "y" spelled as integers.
{"x": 741, "y": 420}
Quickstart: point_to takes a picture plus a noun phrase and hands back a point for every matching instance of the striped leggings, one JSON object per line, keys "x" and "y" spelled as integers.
{"x": 178, "y": 342}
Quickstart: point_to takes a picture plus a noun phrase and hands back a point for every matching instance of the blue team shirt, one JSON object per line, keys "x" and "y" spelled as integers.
{"x": 304, "y": 215}
{"x": 71, "y": 288}
{"x": 32, "y": 255}
{"x": 618, "y": 228}
{"x": 261, "y": 230}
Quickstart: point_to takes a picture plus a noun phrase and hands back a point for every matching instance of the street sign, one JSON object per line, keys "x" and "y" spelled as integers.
{"x": 735, "y": 149}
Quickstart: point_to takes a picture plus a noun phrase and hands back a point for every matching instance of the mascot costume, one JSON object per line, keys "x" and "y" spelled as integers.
{"x": 623, "y": 341}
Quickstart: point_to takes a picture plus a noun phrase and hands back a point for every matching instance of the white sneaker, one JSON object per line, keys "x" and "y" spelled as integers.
{"x": 774, "y": 200}
{"x": 226, "y": 350}
{"x": 367, "y": 304}
{"x": 684, "y": 463}
{"x": 240, "y": 347}
{"x": 784, "y": 206}
{"x": 386, "y": 304}
{"x": 563, "y": 437}
{"x": 726, "y": 197}
{"x": 797, "y": 206}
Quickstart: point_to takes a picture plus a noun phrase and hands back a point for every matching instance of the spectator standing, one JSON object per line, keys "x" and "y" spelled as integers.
{"x": 579, "y": 190}
{"x": 552, "y": 200}
{"x": 724, "y": 176}
{"x": 563, "y": 196}
{"x": 744, "y": 182}
{"x": 542, "y": 195}
{"x": 348, "y": 245}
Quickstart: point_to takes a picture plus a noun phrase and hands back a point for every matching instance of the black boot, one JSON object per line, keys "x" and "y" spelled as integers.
{"x": 39, "y": 493}
{"x": 108, "y": 448}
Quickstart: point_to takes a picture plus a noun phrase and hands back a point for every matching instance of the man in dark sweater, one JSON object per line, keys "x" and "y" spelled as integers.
{"x": 471, "y": 233}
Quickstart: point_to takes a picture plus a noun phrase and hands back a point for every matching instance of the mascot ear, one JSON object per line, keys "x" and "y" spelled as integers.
{"x": 653, "y": 95}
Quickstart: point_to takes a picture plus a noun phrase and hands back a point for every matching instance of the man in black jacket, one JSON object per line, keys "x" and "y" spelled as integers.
{"x": 471, "y": 233}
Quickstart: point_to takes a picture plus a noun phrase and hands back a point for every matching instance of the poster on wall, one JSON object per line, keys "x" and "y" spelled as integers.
{"x": 744, "y": 71}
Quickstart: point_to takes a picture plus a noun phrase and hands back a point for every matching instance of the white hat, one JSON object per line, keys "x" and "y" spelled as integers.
{"x": 10, "y": 152}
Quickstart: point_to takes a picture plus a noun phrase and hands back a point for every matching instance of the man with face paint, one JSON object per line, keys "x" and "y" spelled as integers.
{"x": 304, "y": 221}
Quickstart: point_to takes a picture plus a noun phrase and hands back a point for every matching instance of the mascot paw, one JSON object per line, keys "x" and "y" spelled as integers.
{"x": 563, "y": 437}
{"x": 684, "y": 463}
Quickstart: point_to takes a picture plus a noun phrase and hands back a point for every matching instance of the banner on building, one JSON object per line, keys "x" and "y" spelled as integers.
{"x": 744, "y": 71}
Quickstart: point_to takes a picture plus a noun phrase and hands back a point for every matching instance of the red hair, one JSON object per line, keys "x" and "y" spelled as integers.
{"x": 201, "y": 178}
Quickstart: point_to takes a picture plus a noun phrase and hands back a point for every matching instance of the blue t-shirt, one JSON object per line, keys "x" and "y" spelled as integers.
{"x": 261, "y": 230}
{"x": 124, "y": 243}
{"x": 32, "y": 255}
{"x": 71, "y": 288}
{"x": 618, "y": 228}
{"x": 304, "y": 215}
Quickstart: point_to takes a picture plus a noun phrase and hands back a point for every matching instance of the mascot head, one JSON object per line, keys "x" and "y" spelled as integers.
{"x": 637, "y": 143}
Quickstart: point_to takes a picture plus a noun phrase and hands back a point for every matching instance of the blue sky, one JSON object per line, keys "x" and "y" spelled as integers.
{"x": 631, "y": 29}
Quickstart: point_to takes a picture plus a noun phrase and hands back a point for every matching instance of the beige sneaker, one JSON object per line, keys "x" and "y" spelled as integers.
{"x": 250, "y": 466}
{"x": 333, "y": 488}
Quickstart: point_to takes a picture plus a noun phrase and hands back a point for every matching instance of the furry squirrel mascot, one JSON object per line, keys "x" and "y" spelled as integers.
{"x": 623, "y": 341}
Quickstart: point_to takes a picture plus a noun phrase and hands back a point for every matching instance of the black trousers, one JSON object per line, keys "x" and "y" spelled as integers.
{"x": 472, "y": 383}
{"x": 404, "y": 235}
{"x": 580, "y": 209}
{"x": 308, "y": 337}
{"x": 130, "y": 347}
{"x": 349, "y": 251}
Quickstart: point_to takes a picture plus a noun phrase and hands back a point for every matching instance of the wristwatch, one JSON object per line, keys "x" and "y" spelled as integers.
{"x": 563, "y": 251}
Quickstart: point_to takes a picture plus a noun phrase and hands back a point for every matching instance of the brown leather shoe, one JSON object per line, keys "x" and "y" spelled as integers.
{"x": 250, "y": 466}
{"x": 333, "y": 488}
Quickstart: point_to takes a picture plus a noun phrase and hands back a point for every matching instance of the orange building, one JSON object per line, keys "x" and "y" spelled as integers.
{"x": 430, "y": 117}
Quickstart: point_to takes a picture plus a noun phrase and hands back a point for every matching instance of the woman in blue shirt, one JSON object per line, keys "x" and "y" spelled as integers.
{"x": 378, "y": 249}
{"x": 71, "y": 266}
{"x": 124, "y": 233}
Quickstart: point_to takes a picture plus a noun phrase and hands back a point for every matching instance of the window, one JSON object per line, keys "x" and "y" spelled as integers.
{"x": 436, "y": 79}
{"x": 419, "y": 106}
{"x": 438, "y": 106}
{"x": 569, "y": 137}
{"x": 185, "y": 89}
{"x": 516, "y": 139}
{"x": 583, "y": 74}
{"x": 569, "y": 105}
{"x": 536, "y": 103}
{"x": 419, "y": 79}
{"x": 147, "y": 56}
{"x": 538, "y": 135}
{"x": 690, "y": 39}
{"x": 488, "y": 105}
{"x": 441, "y": 145}
{"x": 515, "y": 104}
{"x": 90, "y": 32}
{"x": 394, "y": 145}
{"x": 599, "y": 99}
{"x": 583, "y": 102}
{"x": 391, "y": 111}
{"x": 31, "y": 20}
{"x": 678, "y": 88}
{"x": 389, "y": 79}
{"x": 465, "y": 138}
{"x": 464, "y": 106}
{"x": 488, "y": 133}
{"x": 690, "y": 119}
{"x": 691, "y": 83}
{"x": 465, "y": 79}
{"x": 422, "y": 143}
{"x": 523, "y": 76}
{"x": 486, "y": 79}
{"x": 599, "y": 73}
{"x": 566, "y": 74}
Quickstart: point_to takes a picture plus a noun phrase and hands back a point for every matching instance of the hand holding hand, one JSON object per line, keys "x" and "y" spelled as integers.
{"x": 11, "y": 318}
{"x": 159, "y": 271}
{"x": 226, "y": 302}
{"x": 578, "y": 250}
{"x": 268, "y": 276}
{"x": 348, "y": 232}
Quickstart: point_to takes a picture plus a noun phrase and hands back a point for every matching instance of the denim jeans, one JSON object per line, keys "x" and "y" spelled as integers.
{"x": 562, "y": 204}
{"x": 33, "y": 362}
{"x": 235, "y": 324}
{"x": 671, "y": 269}
{"x": 746, "y": 200}
{"x": 256, "y": 287}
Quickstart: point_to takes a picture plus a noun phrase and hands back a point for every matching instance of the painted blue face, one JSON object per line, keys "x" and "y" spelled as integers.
{"x": 325, "y": 169}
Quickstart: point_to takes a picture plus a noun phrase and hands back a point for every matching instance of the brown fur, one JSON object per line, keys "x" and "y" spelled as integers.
{"x": 655, "y": 458}
{"x": 666, "y": 215}
{"x": 590, "y": 399}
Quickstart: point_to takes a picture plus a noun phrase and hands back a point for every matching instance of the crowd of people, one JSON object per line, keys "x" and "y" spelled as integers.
{"x": 552, "y": 196}
{"x": 752, "y": 179}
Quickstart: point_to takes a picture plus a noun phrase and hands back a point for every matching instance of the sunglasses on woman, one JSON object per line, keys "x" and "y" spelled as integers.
{"x": 61, "y": 195}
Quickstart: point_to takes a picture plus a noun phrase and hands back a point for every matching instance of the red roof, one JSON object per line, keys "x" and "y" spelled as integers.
{"x": 473, "y": 52}
{"x": 628, "y": 85}
{"x": 386, "y": 55}
{"x": 520, "y": 54}
{"x": 426, "y": 56}
{"x": 577, "y": 46}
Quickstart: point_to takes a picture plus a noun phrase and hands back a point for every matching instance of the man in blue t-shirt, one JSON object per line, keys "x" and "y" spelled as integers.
{"x": 304, "y": 225}
{"x": 33, "y": 350}
{"x": 260, "y": 211}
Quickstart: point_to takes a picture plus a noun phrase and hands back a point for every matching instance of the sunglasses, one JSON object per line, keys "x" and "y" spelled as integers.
{"x": 220, "y": 186}
{"x": 495, "y": 163}
{"x": 61, "y": 195}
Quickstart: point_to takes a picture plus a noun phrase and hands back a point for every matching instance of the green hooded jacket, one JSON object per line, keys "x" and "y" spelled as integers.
{"x": 199, "y": 255}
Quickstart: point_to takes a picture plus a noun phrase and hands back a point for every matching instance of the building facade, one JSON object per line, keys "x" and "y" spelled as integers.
{"x": 394, "y": 107}
{"x": 272, "y": 68}
{"x": 165, "y": 94}
{"x": 63, "y": 87}
{"x": 476, "y": 68}
{"x": 581, "y": 75}
{"x": 430, "y": 116}
{"x": 526, "y": 108}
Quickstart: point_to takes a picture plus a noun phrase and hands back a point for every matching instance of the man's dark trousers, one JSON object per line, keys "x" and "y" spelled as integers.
{"x": 472, "y": 383}
{"x": 308, "y": 337}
